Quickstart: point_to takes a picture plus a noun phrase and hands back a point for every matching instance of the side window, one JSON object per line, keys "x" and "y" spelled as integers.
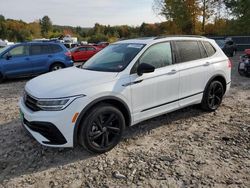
{"x": 188, "y": 50}
{"x": 202, "y": 50}
{"x": 56, "y": 48}
{"x": 81, "y": 49}
{"x": 35, "y": 49}
{"x": 158, "y": 55}
{"x": 90, "y": 49}
{"x": 209, "y": 48}
{"x": 19, "y": 51}
{"x": 46, "y": 49}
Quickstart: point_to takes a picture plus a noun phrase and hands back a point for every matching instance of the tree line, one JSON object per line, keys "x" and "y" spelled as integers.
{"x": 202, "y": 17}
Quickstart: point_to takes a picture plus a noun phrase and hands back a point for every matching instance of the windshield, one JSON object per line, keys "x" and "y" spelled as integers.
{"x": 113, "y": 58}
{"x": 3, "y": 49}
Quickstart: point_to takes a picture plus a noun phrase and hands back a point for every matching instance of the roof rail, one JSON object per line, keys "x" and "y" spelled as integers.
{"x": 46, "y": 40}
{"x": 166, "y": 36}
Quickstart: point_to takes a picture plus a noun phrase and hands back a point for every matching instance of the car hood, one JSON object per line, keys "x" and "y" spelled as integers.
{"x": 66, "y": 82}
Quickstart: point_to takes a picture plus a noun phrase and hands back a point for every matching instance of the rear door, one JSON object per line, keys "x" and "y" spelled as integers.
{"x": 16, "y": 61}
{"x": 194, "y": 67}
{"x": 40, "y": 55}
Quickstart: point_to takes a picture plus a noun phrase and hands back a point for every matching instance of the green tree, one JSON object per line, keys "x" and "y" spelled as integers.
{"x": 46, "y": 26}
{"x": 183, "y": 12}
{"x": 3, "y": 29}
{"x": 240, "y": 9}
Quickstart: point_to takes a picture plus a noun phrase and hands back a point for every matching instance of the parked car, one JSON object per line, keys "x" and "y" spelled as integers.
{"x": 125, "y": 83}
{"x": 101, "y": 44}
{"x": 228, "y": 46}
{"x": 244, "y": 64}
{"x": 33, "y": 58}
{"x": 83, "y": 53}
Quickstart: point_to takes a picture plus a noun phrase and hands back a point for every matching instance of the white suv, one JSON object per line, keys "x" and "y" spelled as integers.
{"x": 126, "y": 83}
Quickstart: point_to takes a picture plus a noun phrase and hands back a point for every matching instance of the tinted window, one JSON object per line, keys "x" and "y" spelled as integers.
{"x": 188, "y": 50}
{"x": 209, "y": 48}
{"x": 19, "y": 51}
{"x": 114, "y": 58}
{"x": 56, "y": 48}
{"x": 90, "y": 49}
{"x": 39, "y": 49}
{"x": 202, "y": 50}
{"x": 81, "y": 49}
{"x": 158, "y": 55}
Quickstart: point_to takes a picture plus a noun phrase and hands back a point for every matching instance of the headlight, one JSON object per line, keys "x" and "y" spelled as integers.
{"x": 56, "y": 104}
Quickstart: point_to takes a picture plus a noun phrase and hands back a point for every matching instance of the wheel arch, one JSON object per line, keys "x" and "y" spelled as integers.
{"x": 218, "y": 77}
{"x": 115, "y": 101}
{"x": 56, "y": 62}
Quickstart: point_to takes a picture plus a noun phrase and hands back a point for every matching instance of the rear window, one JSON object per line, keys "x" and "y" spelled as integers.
{"x": 56, "y": 48}
{"x": 209, "y": 48}
{"x": 188, "y": 50}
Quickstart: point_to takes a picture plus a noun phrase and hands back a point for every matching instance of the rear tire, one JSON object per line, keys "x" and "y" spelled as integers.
{"x": 56, "y": 66}
{"x": 101, "y": 130}
{"x": 213, "y": 96}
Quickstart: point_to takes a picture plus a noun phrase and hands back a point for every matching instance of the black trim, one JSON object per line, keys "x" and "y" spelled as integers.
{"x": 229, "y": 82}
{"x": 132, "y": 83}
{"x": 170, "y": 102}
{"x": 90, "y": 105}
{"x": 48, "y": 130}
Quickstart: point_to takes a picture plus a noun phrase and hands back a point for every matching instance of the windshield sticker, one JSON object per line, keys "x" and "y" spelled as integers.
{"x": 135, "y": 46}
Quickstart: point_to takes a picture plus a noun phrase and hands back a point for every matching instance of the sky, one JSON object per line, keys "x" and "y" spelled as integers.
{"x": 84, "y": 13}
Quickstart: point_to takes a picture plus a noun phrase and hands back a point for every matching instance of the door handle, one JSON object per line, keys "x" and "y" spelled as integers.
{"x": 27, "y": 58}
{"x": 206, "y": 64}
{"x": 49, "y": 55}
{"x": 172, "y": 72}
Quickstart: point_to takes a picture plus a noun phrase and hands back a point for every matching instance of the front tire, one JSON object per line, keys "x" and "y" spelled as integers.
{"x": 213, "y": 95}
{"x": 101, "y": 130}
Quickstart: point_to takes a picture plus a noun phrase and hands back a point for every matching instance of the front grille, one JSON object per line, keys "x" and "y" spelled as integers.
{"x": 31, "y": 102}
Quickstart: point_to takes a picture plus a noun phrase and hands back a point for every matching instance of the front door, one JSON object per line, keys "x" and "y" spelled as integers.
{"x": 157, "y": 92}
{"x": 16, "y": 62}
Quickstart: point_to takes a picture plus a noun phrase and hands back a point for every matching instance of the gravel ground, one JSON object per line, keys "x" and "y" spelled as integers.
{"x": 187, "y": 148}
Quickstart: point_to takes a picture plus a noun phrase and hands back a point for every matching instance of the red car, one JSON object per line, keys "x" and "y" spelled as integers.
{"x": 101, "y": 45}
{"x": 83, "y": 53}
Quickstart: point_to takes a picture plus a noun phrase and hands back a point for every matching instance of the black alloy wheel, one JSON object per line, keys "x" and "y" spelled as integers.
{"x": 213, "y": 96}
{"x": 102, "y": 129}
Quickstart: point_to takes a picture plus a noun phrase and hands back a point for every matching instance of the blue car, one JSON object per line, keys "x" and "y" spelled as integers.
{"x": 33, "y": 58}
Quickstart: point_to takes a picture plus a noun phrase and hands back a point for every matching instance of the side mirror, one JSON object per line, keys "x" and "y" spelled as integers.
{"x": 145, "y": 68}
{"x": 8, "y": 56}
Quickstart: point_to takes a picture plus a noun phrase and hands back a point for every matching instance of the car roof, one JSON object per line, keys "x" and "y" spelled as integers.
{"x": 149, "y": 40}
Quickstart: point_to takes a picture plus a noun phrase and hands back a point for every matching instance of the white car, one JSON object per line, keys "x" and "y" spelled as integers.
{"x": 126, "y": 83}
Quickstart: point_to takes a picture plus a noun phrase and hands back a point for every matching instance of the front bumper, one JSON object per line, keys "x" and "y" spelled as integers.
{"x": 52, "y": 128}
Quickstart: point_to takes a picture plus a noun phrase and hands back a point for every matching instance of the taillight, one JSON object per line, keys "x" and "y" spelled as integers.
{"x": 68, "y": 54}
{"x": 229, "y": 64}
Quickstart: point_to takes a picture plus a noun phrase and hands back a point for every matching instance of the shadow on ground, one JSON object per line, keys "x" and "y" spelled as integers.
{"x": 20, "y": 154}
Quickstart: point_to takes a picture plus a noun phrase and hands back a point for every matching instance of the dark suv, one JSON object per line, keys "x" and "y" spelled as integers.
{"x": 33, "y": 58}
